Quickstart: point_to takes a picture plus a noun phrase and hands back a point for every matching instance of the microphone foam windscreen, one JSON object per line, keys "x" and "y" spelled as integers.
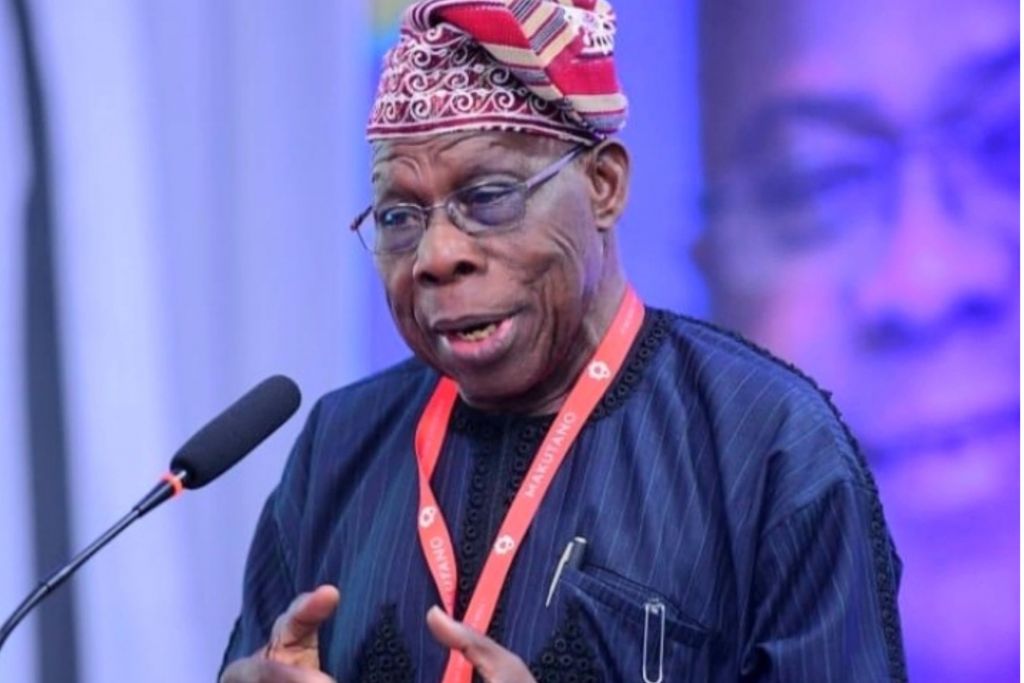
{"x": 227, "y": 438}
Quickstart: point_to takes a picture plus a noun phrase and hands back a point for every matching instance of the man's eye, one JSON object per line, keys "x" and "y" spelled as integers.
{"x": 397, "y": 218}
{"x": 487, "y": 195}
{"x": 791, "y": 188}
{"x": 492, "y": 205}
{"x": 997, "y": 151}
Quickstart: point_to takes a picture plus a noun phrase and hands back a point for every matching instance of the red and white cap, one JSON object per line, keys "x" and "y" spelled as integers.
{"x": 537, "y": 66}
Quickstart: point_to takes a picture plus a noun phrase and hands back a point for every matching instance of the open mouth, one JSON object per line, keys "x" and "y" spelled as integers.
{"x": 476, "y": 332}
{"x": 477, "y": 340}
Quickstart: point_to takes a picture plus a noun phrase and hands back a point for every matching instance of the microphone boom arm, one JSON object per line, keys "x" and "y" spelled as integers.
{"x": 209, "y": 453}
{"x": 168, "y": 487}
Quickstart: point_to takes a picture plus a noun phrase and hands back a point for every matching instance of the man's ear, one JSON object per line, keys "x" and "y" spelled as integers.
{"x": 608, "y": 173}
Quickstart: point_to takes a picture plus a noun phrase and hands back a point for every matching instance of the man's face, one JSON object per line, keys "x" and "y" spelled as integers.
{"x": 864, "y": 224}
{"x": 502, "y": 313}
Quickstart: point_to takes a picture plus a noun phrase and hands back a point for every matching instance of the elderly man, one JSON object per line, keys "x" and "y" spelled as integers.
{"x": 563, "y": 483}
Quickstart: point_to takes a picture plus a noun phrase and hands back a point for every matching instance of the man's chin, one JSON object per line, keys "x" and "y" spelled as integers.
{"x": 500, "y": 388}
{"x": 954, "y": 517}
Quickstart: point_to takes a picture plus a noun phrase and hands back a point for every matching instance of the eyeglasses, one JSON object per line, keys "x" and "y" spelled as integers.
{"x": 805, "y": 191}
{"x": 490, "y": 207}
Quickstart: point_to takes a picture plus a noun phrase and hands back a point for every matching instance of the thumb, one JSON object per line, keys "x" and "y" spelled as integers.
{"x": 294, "y": 638}
{"x": 490, "y": 660}
{"x": 452, "y": 634}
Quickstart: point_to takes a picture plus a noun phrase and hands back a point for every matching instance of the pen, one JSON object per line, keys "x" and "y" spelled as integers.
{"x": 572, "y": 556}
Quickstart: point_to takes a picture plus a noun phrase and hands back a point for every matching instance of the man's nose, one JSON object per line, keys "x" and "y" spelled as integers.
{"x": 446, "y": 253}
{"x": 936, "y": 271}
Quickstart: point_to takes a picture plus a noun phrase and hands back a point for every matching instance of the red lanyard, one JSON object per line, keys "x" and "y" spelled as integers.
{"x": 435, "y": 540}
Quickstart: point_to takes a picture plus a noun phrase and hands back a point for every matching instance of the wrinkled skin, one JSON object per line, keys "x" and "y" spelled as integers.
{"x": 557, "y": 277}
{"x": 864, "y": 156}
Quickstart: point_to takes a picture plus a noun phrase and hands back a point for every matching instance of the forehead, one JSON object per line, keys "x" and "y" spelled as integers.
{"x": 902, "y": 55}
{"x": 454, "y": 152}
{"x": 899, "y": 54}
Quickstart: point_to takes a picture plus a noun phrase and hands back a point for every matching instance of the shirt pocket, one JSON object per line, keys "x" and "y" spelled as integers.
{"x": 636, "y": 632}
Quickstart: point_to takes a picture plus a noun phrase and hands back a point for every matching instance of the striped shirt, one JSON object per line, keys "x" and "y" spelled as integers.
{"x": 733, "y": 529}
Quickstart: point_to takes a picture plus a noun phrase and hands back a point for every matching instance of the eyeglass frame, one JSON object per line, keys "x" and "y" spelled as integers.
{"x": 526, "y": 187}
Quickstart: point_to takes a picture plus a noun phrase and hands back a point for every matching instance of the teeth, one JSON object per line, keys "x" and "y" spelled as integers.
{"x": 478, "y": 334}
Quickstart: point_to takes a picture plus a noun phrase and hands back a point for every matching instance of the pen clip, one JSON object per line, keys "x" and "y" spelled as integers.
{"x": 654, "y": 609}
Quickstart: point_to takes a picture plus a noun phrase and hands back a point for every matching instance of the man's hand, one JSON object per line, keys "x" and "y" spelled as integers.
{"x": 292, "y": 655}
{"x": 494, "y": 663}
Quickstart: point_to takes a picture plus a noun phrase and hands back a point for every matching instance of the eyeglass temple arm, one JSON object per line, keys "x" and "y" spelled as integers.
{"x": 354, "y": 227}
{"x": 550, "y": 171}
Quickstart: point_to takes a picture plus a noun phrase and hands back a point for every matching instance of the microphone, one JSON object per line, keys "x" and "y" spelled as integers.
{"x": 210, "y": 452}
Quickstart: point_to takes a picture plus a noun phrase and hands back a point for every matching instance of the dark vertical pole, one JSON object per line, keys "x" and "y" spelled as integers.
{"x": 58, "y": 651}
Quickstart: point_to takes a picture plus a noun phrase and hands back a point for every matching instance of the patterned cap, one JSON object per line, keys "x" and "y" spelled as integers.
{"x": 537, "y": 66}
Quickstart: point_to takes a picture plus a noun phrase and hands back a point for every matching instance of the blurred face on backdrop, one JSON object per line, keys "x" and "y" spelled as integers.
{"x": 863, "y": 170}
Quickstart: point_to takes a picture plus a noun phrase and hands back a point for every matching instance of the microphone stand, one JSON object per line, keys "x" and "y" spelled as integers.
{"x": 168, "y": 487}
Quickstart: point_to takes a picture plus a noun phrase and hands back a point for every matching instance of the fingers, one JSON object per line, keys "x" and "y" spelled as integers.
{"x": 449, "y": 632}
{"x": 255, "y": 669}
{"x": 299, "y": 624}
{"x": 294, "y": 639}
{"x": 493, "y": 662}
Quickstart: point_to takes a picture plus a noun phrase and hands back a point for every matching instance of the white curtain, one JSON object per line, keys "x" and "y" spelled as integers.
{"x": 206, "y": 159}
{"x": 16, "y": 561}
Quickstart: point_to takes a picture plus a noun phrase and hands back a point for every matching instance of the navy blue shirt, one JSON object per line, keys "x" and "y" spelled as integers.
{"x": 733, "y": 530}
